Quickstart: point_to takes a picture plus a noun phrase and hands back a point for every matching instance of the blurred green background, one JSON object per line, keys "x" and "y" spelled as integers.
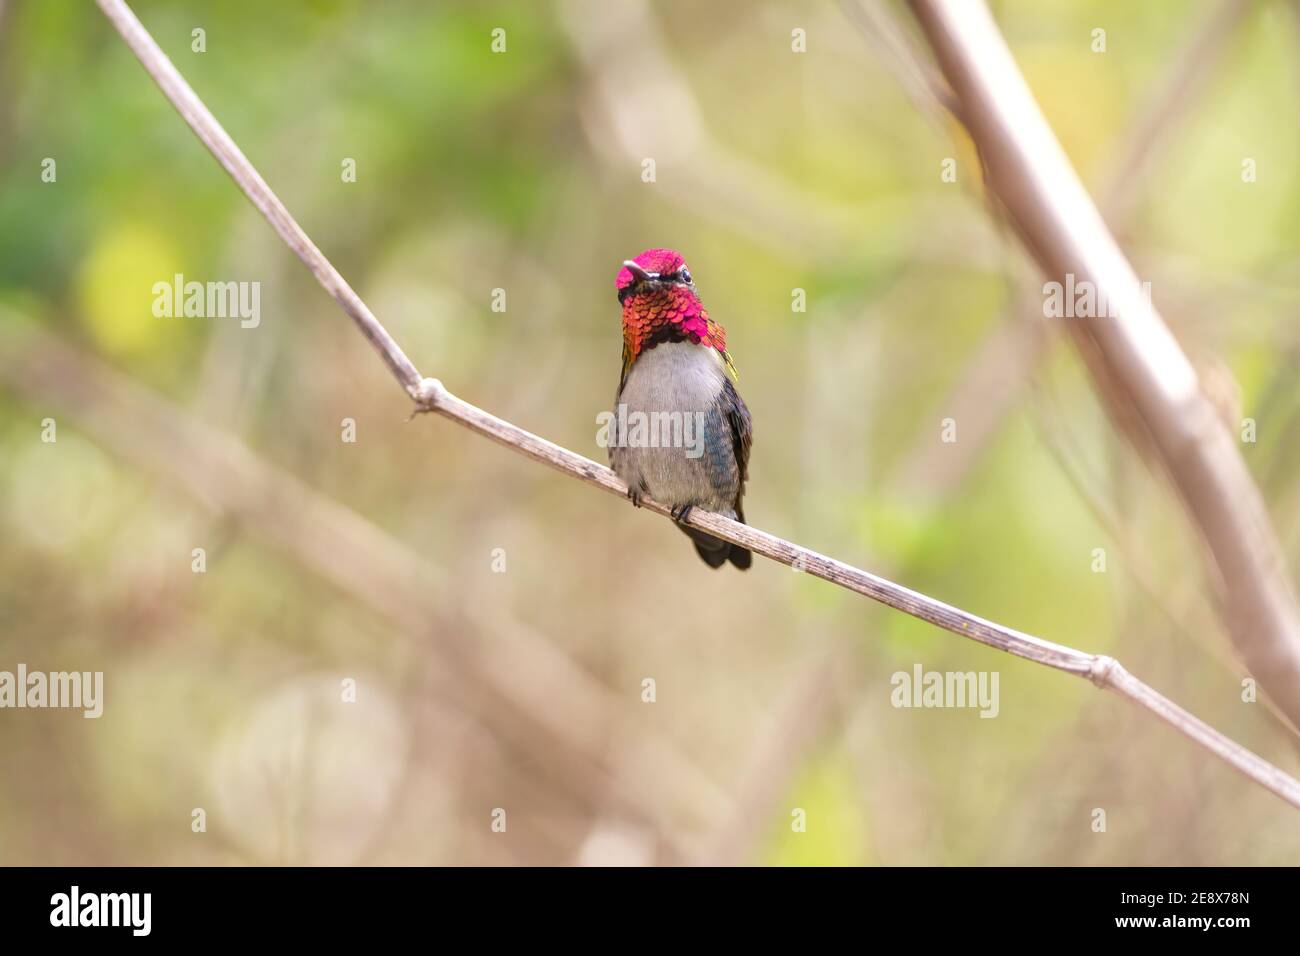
{"x": 482, "y": 689}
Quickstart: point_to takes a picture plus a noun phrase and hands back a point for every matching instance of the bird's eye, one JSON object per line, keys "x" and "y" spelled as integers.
{"x": 685, "y": 275}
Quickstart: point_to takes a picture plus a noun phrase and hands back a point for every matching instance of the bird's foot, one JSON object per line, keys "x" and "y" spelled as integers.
{"x": 681, "y": 513}
{"x": 634, "y": 496}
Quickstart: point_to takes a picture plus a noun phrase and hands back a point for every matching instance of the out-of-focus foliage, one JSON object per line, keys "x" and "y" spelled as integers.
{"x": 479, "y": 170}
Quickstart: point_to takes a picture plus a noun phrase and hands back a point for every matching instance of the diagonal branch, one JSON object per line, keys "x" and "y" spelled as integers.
{"x": 1138, "y": 364}
{"x": 430, "y": 395}
{"x": 995, "y": 377}
{"x": 1012, "y": 352}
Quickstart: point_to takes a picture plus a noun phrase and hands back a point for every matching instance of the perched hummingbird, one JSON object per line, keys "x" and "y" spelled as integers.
{"x": 681, "y": 434}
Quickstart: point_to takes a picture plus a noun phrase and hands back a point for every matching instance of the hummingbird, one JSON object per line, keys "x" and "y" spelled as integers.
{"x": 678, "y": 377}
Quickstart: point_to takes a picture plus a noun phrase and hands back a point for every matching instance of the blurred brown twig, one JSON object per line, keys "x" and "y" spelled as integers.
{"x": 1023, "y": 341}
{"x": 1150, "y": 386}
{"x": 564, "y": 710}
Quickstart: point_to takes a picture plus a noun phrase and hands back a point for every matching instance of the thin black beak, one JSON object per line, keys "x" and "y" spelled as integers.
{"x": 639, "y": 274}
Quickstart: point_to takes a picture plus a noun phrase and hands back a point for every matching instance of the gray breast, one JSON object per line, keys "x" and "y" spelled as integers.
{"x": 674, "y": 442}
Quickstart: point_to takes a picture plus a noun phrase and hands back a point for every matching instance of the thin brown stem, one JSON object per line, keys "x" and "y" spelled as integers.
{"x": 430, "y": 395}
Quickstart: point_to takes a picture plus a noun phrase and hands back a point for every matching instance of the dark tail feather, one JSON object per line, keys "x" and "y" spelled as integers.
{"x": 740, "y": 557}
{"x": 715, "y": 552}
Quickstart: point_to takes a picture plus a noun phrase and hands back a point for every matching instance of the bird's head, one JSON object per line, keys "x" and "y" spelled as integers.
{"x": 660, "y": 304}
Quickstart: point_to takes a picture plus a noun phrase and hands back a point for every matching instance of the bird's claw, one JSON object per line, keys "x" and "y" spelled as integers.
{"x": 634, "y": 496}
{"x": 681, "y": 513}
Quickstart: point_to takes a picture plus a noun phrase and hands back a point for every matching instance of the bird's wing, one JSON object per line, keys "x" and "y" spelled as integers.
{"x": 742, "y": 436}
{"x": 627, "y": 366}
{"x": 731, "y": 366}
{"x": 615, "y": 438}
